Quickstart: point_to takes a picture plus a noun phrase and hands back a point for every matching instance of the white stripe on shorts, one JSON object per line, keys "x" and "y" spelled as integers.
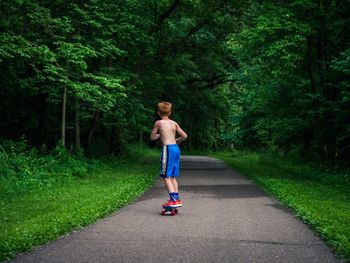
{"x": 164, "y": 160}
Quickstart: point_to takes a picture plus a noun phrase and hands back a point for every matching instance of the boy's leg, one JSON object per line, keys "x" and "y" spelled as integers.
{"x": 169, "y": 185}
{"x": 176, "y": 188}
{"x": 175, "y": 185}
{"x": 176, "y": 171}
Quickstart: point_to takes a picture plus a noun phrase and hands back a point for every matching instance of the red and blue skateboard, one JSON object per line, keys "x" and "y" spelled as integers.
{"x": 169, "y": 211}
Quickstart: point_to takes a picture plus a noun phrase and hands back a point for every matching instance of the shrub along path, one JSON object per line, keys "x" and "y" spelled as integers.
{"x": 225, "y": 218}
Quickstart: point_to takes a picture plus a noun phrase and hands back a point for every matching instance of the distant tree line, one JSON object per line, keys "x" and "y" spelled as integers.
{"x": 242, "y": 74}
{"x": 294, "y": 66}
{"x": 90, "y": 73}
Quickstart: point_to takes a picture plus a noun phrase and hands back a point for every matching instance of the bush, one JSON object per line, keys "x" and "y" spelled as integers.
{"x": 25, "y": 170}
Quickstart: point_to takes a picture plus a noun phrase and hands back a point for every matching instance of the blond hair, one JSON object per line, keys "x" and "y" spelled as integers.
{"x": 164, "y": 108}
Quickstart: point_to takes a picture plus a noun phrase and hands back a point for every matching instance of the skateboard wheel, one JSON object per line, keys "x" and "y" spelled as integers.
{"x": 176, "y": 211}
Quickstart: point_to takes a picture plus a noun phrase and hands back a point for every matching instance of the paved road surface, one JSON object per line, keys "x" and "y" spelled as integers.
{"x": 225, "y": 218}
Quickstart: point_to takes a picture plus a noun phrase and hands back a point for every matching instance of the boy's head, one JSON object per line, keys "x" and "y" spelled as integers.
{"x": 164, "y": 108}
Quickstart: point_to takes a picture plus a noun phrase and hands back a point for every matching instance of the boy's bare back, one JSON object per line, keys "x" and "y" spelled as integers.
{"x": 166, "y": 130}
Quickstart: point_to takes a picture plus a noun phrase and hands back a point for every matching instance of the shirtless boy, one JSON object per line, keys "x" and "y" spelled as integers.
{"x": 166, "y": 130}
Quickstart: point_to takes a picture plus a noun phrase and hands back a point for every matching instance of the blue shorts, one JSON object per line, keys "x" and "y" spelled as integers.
{"x": 170, "y": 161}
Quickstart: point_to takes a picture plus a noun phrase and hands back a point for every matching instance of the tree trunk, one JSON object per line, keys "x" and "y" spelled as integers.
{"x": 189, "y": 139}
{"x": 141, "y": 137}
{"x": 63, "y": 125}
{"x": 317, "y": 122}
{"x": 94, "y": 126}
{"x": 77, "y": 126}
{"x": 329, "y": 142}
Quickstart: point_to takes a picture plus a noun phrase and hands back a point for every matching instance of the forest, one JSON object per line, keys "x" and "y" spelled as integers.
{"x": 240, "y": 74}
{"x": 248, "y": 80}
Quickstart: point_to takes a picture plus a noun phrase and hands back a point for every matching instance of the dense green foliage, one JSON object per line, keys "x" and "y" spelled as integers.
{"x": 294, "y": 74}
{"x": 47, "y": 196}
{"x": 246, "y": 74}
{"x": 319, "y": 197}
{"x": 25, "y": 170}
{"x": 98, "y": 68}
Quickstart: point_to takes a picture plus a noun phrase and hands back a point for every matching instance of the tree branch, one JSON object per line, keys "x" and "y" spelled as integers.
{"x": 209, "y": 82}
{"x": 163, "y": 16}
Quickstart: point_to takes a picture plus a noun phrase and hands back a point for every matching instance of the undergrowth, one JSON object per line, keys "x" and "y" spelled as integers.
{"x": 44, "y": 196}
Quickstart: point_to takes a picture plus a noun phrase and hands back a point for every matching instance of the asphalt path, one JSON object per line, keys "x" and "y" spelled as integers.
{"x": 225, "y": 218}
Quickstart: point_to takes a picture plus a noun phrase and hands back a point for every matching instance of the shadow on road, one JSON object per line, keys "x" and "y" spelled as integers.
{"x": 214, "y": 191}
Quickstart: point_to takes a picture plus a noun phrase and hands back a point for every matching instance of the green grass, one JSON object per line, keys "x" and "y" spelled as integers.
{"x": 52, "y": 209}
{"x": 321, "y": 198}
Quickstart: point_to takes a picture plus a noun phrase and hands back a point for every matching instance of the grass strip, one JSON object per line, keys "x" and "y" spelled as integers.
{"x": 34, "y": 218}
{"x": 323, "y": 204}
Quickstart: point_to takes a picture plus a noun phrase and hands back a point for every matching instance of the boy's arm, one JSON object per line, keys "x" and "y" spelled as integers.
{"x": 154, "y": 134}
{"x": 183, "y": 135}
